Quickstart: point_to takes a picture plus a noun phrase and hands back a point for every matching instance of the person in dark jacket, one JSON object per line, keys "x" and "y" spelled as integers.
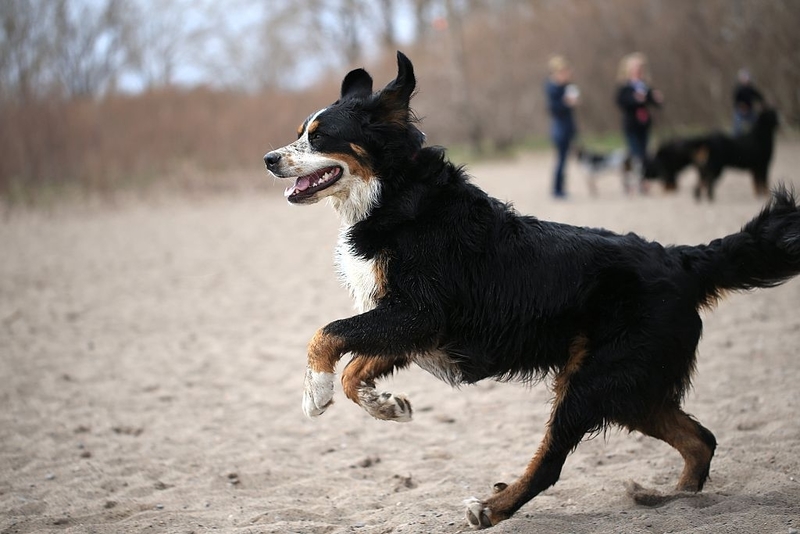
{"x": 562, "y": 96}
{"x": 635, "y": 99}
{"x": 746, "y": 101}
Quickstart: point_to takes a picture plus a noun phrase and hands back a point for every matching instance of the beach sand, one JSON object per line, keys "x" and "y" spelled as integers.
{"x": 152, "y": 357}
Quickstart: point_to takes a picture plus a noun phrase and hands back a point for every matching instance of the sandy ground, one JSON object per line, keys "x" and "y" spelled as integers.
{"x": 152, "y": 357}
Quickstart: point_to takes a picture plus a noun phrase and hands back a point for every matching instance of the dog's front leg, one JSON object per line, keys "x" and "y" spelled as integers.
{"x": 358, "y": 381}
{"x": 324, "y": 350}
{"x": 380, "y": 340}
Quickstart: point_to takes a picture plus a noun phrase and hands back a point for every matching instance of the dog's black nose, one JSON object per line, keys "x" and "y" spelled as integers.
{"x": 272, "y": 159}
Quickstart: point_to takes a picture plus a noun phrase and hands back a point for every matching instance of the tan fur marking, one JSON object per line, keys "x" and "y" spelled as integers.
{"x": 324, "y": 350}
{"x": 363, "y": 370}
{"x": 507, "y": 496}
{"x": 379, "y": 268}
{"x": 577, "y": 354}
{"x": 700, "y": 156}
{"x": 712, "y": 300}
{"x": 357, "y": 167}
{"x": 300, "y": 129}
{"x": 313, "y": 126}
{"x": 681, "y": 432}
{"x": 359, "y": 150}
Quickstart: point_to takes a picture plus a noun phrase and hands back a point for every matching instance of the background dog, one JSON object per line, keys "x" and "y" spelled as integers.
{"x": 714, "y": 152}
{"x": 448, "y": 278}
{"x": 596, "y": 163}
{"x": 751, "y": 151}
{"x": 673, "y": 156}
{"x": 634, "y": 176}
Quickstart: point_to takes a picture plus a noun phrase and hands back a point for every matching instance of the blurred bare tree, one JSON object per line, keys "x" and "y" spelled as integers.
{"x": 26, "y": 47}
{"x": 82, "y": 81}
{"x": 162, "y": 43}
{"x": 92, "y": 45}
{"x": 75, "y": 49}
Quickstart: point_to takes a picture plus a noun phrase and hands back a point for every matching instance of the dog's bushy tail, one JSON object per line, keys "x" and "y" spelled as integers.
{"x": 765, "y": 253}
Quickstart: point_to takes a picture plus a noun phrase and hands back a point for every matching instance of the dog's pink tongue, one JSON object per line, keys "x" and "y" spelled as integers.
{"x": 300, "y": 185}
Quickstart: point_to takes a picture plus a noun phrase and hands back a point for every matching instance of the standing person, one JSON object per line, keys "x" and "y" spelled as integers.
{"x": 562, "y": 96}
{"x": 745, "y": 99}
{"x": 635, "y": 98}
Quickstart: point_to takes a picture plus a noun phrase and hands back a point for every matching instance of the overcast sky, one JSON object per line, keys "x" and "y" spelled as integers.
{"x": 241, "y": 17}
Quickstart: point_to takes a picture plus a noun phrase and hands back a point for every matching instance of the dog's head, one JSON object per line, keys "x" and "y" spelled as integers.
{"x": 344, "y": 152}
{"x": 767, "y": 120}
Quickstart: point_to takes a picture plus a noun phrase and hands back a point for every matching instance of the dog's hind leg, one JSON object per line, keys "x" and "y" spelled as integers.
{"x": 358, "y": 382}
{"x": 760, "y": 182}
{"x": 575, "y": 413}
{"x": 705, "y": 182}
{"x": 710, "y": 187}
{"x": 695, "y": 443}
{"x": 698, "y": 190}
{"x": 591, "y": 179}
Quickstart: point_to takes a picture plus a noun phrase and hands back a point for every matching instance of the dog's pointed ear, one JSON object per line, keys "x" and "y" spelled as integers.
{"x": 397, "y": 93}
{"x": 357, "y": 83}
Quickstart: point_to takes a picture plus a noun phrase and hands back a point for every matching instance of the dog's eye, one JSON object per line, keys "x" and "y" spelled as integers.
{"x": 314, "y": 136}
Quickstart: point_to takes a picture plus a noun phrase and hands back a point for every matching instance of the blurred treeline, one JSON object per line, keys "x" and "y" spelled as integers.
{"x": 101, "y": 93}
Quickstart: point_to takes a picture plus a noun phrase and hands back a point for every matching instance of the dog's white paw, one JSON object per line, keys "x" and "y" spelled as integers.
{"x": 386, "y": 406}
{"x": 477, "y": 513}
{"x": 317, "y": 392}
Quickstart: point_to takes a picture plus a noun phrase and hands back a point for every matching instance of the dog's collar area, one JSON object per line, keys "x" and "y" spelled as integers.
{"x": 305, "y": 186}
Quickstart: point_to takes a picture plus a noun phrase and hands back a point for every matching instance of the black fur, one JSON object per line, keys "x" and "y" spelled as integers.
{"x": 714, "y": 152}
{"x": 751, "y": 151}
{"x": 508, "y": 296}
{"x": 672, "y": 157}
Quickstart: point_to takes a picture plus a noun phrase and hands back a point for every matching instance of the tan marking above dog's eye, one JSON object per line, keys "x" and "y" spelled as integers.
{"x": 301, "y": 129}
{"x": 359, "y": 150}
{"x": 312, "y": 127}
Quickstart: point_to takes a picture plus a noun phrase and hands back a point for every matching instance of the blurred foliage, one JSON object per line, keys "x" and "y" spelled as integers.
{"x": 100, "y": 93}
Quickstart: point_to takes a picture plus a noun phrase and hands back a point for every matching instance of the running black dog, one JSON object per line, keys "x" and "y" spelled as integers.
{"x": 448, "y": 278}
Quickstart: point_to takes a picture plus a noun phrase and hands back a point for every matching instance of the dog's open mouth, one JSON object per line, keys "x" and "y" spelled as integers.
{"x": 306, "y": 186}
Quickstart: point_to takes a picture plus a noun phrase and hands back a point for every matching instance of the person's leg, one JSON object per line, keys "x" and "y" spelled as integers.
{"x": 562, "y": 149}
{"x": 742, "y": 122}
{"x": 643, "y": 142}
{"x": 749, "y": 120}
{"x": 633, "y": 172}
{"x": 738, "y": 123}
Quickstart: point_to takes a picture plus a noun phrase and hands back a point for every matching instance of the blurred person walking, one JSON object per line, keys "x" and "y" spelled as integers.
{"x": 635, "y": 97}
{"x": 562, "y": 96}
{"x": 746, "y": 99}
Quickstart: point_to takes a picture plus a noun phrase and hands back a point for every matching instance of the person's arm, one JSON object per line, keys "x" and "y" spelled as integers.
{"x": 626, "y": 98}
{"x": 737, "y": 92}
{"x": 655, "y": 98}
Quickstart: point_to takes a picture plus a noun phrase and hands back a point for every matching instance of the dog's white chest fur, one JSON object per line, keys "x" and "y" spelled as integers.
{"x": 357, "y": 274}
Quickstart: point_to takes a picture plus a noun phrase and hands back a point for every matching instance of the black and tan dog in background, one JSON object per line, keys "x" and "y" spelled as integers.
{"x": 712, "y": 153}
{"x": 448, "y": 278}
